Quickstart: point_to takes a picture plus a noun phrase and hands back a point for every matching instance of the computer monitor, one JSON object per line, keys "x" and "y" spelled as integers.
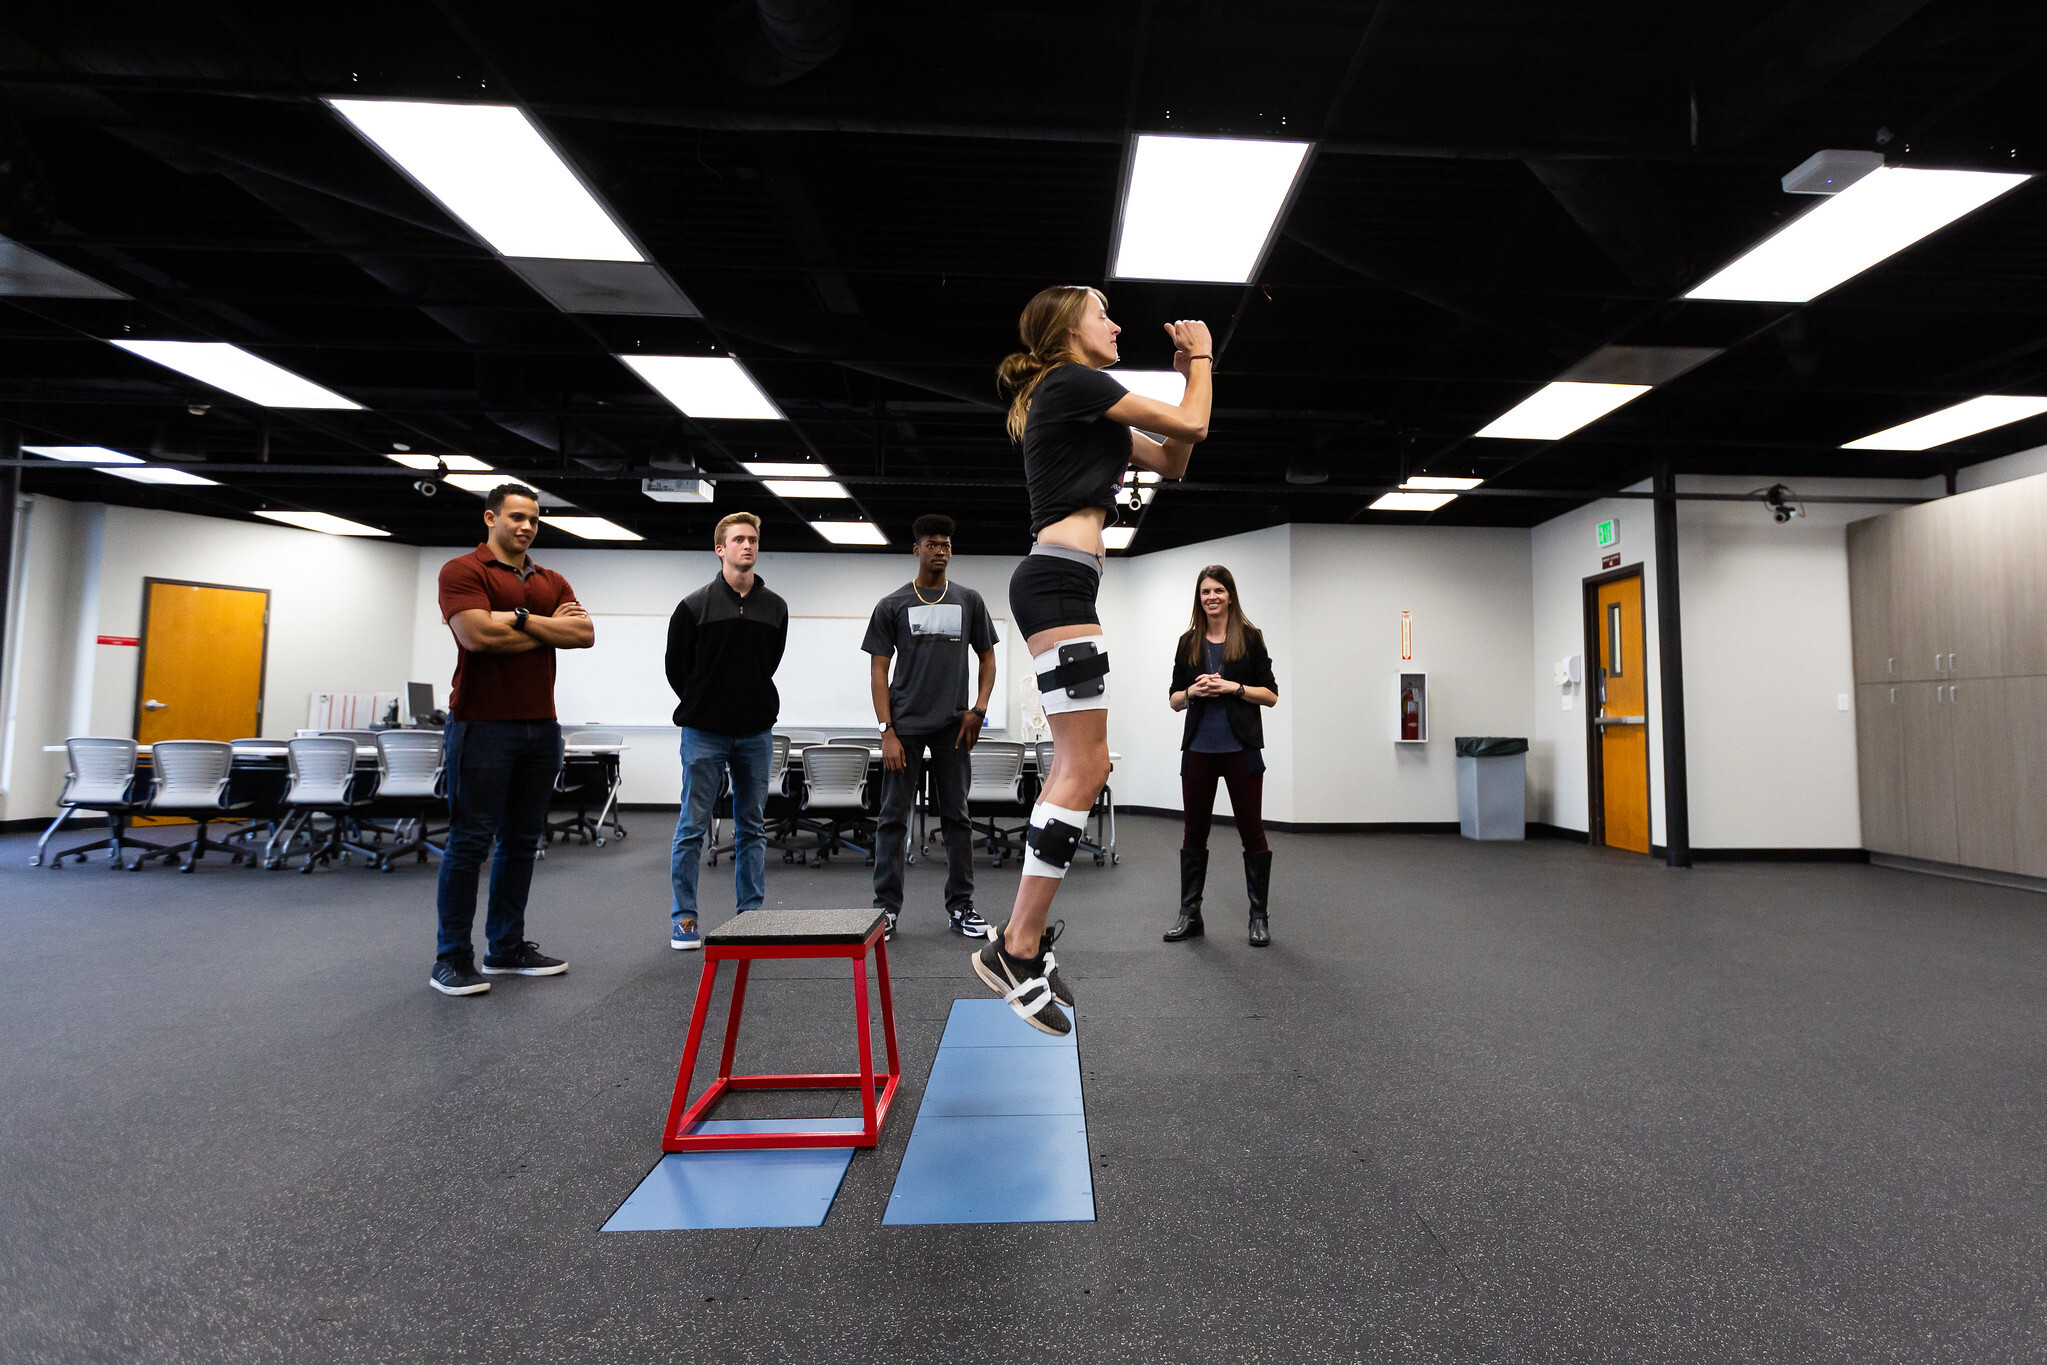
{"x": 419, "y": 700}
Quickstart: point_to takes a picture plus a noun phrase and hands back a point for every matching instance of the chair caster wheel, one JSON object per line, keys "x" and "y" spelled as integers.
{"x": 1116, "y": 860}
{"x": 600, "y": 843}
{"x": 1100, "y": 861}
{"x": 618, "y": 834}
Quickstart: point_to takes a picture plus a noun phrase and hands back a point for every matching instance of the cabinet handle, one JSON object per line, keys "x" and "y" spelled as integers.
{"x": 1936, "y": 663}
{"x": 1891, "y": 665}
{"x": 1894, "y": 696}
{"x": 1937, "y": 697}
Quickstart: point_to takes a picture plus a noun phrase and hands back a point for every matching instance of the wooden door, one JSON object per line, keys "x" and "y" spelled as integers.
{"x": 1922, "y": 591}
{"x": 1623, "y": 719}
{"x": 2023, "y": 537}
{"x": 1872, "y": 615}
{"x": 1880, "y": 767}
{"x": 202, "y": 661}
{"x": 2026, "y": 715}
{"x": 1985, "y": 775}
{"x": 1928, "y": 750}
{"x": 1976, "y": 534}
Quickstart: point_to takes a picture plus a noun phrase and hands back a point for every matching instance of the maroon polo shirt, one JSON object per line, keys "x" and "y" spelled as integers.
{"x": 501, "y": 686}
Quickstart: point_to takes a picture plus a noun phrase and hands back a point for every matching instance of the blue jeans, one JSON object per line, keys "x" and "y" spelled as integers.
{"x": 500, "y": 774}
{"x": 705, "y": 758}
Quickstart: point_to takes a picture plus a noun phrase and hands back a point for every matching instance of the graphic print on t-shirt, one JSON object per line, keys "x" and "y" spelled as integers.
{"x": 936, "y": 618}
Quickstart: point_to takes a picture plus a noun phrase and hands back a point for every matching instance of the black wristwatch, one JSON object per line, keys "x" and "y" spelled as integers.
{"x": 1240, "y": 691}
{"x": 519, "y": 615}
{"x": 980, "y": 711}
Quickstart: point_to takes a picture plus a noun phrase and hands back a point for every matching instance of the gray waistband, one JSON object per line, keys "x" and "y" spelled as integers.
{"x": 1068, "y": 552}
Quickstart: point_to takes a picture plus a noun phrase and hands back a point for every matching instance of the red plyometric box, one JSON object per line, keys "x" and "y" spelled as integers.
{"x": 787, "y": 934}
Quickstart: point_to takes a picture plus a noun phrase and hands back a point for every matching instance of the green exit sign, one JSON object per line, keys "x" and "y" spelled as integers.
{"x": 1607, "y": 532}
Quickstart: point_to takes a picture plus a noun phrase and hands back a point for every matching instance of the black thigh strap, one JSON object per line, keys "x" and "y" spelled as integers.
{"x": 1074, "y": 672}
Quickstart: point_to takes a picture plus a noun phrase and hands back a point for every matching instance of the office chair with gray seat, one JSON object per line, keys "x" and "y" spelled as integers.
{"x": 996, "y": 788}
{"x": 323, "y": 782}
{"x": 99, "y": 776}
{"x": 192, "y": 780}
{"x": 835, "y": 786}
{"x": 588, "y": 779}
{"x": 411, "y": 792}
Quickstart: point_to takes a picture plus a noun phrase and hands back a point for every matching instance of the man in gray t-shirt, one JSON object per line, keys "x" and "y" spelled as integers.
{"x": 929, "y": 626}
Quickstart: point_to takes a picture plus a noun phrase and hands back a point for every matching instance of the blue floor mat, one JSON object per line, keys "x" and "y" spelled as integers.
{"x": 1001, "y": 1133}
{"x": 782, "y": 1189}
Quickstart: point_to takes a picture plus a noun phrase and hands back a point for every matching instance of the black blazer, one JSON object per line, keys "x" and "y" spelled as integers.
{"x": 1253, "y": 670}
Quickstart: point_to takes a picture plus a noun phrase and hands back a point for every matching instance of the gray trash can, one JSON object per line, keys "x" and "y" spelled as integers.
{"x": 1492, "y": 787}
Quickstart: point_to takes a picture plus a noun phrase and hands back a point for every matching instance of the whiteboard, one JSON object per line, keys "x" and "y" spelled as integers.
{"x": 623, "y": 680}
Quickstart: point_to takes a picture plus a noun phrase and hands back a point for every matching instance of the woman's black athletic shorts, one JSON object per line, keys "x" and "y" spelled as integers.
{"x": 1056, "y": 589}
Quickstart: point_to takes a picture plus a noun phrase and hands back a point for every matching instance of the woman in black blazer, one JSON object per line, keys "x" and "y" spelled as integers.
{"x": 1221, "y": 676}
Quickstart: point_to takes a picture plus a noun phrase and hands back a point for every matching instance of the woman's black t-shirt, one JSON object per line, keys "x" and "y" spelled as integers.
{"x": 1073, "y": 455}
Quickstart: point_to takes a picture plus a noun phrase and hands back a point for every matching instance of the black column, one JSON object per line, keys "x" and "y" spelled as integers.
{"x": 1677, "y": 812}
{"x": 10, "y": 493}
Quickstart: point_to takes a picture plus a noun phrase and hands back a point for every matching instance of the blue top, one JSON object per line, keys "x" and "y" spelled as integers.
{"x": 1213, "y": 735}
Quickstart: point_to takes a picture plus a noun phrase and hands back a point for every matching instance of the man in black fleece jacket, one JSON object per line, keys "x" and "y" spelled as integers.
{"x": 724, "y": 643}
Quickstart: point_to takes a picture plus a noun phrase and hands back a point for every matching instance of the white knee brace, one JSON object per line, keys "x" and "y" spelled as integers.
{"x": 1055, "y": 835}
{"x": 1073, "y": 675}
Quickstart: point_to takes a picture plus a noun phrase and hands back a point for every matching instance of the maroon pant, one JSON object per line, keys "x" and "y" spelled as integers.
{"x": 1198, "y": 774}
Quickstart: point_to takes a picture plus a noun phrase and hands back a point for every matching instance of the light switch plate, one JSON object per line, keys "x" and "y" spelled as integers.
{"x": 1841, "y": 701}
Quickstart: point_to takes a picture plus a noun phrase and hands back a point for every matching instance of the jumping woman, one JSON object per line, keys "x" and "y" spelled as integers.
{"x": 1074, "y": 424}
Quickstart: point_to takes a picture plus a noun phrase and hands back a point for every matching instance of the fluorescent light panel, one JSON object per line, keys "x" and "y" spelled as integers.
{"x": 240, "y": 373}
{"x": 131, "y": 468}
{"x": 1203, "y": 208}
{"x": 1412, "y": 502}
{"x": 850, "y": 532}
{"x": 1557, "y": 409}
{"x": 1118, "y": 537}
{"x": 490, "y": 167}
{"x": 1437, "y": 483}
{"x": 787, "y": 469}
{"x": 705, "y": 386}
{"x": 591, "y": 528}
{"x": 481, "y": 484}
{"x": 77, "y": 454}
{"x": 1878, "y": 216}
{"x": 1952, "y": 424}
{"x": 805, "y": 488}
{"x": 323, "y": 523}
{"x": 1167, "y": 386}
{"x": 455, "y": 463}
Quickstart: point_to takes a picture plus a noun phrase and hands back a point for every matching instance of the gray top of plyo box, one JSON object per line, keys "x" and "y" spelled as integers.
{"x": 796, "y": 926}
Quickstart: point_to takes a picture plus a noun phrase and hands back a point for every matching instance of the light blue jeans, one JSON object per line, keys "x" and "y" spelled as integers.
{"x": 705, "y": 759}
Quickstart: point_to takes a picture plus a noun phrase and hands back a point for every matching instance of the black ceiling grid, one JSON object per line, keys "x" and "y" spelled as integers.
{"x": 1501, "y": 190}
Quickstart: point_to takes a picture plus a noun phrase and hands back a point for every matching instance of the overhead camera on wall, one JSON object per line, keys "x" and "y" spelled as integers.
{"x": 432, "y": 483}
{"x": 1782, "y": 502}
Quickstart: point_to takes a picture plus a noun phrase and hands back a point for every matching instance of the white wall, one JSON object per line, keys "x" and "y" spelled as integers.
{"x": 1767, "y": 657}
{"x": 2019, "y": 465}
{"x": 1469, "y": 591}
{"x": 38, "y": 680}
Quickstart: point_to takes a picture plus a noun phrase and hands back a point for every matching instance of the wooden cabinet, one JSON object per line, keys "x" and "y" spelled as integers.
{"x": 2026, "y": 717}
{"x": 1949, "y": 610}
{"x": 1869, "y": 599}
{"x": 1927, "y": 747}
{"x": 1879, "y": 745}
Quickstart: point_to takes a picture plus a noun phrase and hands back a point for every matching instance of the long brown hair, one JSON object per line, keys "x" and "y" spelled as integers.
{"x": 1237, "y": 625}
{"x": 1045, "y": 328}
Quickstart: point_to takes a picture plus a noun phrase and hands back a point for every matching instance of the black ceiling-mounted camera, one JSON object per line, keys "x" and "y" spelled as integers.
{"x": 1782, "y": 502}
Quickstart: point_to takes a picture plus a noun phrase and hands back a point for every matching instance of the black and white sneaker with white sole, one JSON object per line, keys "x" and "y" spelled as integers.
{"x": 1060, "y": 990}
{"x": 969, "y": 924}
{"x": 888, "y": 925}
{"x": 457, "y": 978}
{"x": 523, "y": 959}
{"x": 1021, "y": 984}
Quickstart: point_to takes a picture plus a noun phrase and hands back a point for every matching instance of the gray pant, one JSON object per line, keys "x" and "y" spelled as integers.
{"x": 951, "y": 773}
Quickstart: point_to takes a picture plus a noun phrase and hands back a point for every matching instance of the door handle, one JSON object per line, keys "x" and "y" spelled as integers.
{"x": 154, "y": 705}
{"x": 1621, "y": 720}
{"x": 1950, "y": 662}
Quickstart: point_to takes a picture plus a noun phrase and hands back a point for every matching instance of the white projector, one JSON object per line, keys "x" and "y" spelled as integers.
{"x": 1830, "y": 172}
{"x": 678, "y": 490}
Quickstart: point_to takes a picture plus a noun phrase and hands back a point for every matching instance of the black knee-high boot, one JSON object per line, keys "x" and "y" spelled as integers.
{"x": 1257, "y": 882}
{"x": 1193, "y": 876}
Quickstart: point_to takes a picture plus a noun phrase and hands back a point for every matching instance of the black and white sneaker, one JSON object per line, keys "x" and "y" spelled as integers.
{"x": 457, "y": 978}
{"x": 523, "y": 959}
{"x": 1021, "y": 984}
{"x": 888, "y": 925}
{"x": 1060, "y": 990}
{"x": 968, "y": 924}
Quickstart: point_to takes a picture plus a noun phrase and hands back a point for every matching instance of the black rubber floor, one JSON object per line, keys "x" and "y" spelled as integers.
{"x": 1480, "y": 1102}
